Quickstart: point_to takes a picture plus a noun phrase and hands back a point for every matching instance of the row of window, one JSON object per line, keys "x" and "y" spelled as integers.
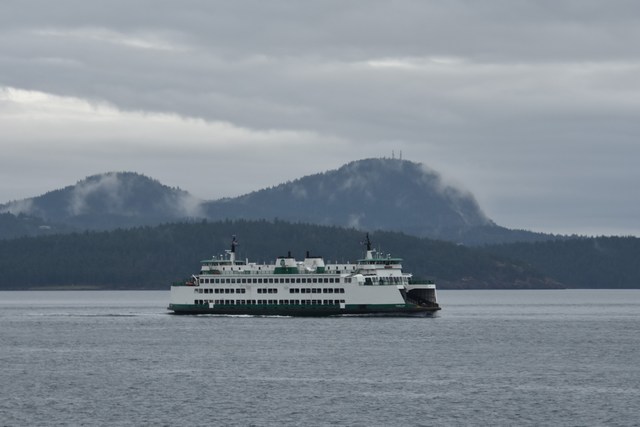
{"x": 316, "y": 290}
{"x": 221, "y": 291}
{"x": 386, "y": 281}
{"x": 259, "y": 280}
{"x": 269, "y": 291}
{"x": 270, "y": 302}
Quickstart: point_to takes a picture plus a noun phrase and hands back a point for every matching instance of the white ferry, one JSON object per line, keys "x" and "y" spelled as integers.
{"x": 375, "y": 285}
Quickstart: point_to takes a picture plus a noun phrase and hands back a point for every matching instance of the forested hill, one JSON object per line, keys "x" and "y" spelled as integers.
{"x": 152, "y": 258}
{"x": 598, "y": 262}
{"x": 101, "y": 202}
{"x": 369, "y": 194}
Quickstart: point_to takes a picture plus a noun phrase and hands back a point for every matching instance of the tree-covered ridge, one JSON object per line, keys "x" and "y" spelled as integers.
{"x": 153, "y": 257}
{"x": 599, "y": 262}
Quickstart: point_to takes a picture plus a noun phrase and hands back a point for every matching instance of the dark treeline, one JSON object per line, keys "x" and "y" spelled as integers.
{"x": 596, "y": 262}
{"x": 153, "y": 257}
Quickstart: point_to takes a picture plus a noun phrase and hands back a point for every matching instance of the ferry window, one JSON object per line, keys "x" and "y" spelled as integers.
{"x": 286, "y": 280}
{"x": 259, "y": 280}
{"x": 330, "y": 290}
{"x": 342, "y": 291}
{"x": 298, "y": 280}
{"x": 314, "y": 280}
{"x": 331, "y": 280}
{"x": 326, "y": 280}
{"x": 291, "y": 291}
{"x": 239, "y": 291}
{"x": 270, "y": 280}
{"x": 281, "y": 280}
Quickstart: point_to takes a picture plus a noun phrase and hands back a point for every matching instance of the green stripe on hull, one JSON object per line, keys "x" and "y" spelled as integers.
{"x": 306, "y": 310}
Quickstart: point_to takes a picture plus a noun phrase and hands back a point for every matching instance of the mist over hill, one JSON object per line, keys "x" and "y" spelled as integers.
{"x": 370, "y": 194}
{"x": 108, "y": 201}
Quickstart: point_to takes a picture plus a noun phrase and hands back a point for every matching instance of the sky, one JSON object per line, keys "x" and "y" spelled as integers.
{"x": 531, "y": 105}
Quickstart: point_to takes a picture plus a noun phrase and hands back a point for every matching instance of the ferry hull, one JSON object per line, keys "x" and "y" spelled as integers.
{"x": 318, "y": 311}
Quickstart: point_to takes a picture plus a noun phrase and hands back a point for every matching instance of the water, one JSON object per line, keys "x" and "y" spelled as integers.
{"x": 561, "y": 358}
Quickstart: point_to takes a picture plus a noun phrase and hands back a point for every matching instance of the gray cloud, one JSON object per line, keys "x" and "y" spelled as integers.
{"x": 531, "y": 105}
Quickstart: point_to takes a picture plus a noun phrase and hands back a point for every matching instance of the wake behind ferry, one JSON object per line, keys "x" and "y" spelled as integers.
{"x": 374, "y": 285}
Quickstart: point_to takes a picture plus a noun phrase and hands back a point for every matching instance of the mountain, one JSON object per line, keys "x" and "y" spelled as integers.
{"x": 370, "y": 194}
{"x": 375, "y": 194}
{"x": 107, "y": 201}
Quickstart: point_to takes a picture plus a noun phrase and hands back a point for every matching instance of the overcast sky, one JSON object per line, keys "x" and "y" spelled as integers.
{"x": 533, "y": 106}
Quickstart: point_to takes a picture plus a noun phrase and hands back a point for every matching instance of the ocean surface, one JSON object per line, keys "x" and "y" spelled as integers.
{"x": 500, "y": 358}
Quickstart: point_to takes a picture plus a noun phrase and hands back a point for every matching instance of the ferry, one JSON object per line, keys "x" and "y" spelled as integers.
{"x": 374, "y": 285}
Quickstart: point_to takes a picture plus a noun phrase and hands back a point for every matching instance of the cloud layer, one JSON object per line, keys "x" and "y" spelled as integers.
{"x": 532, "y": 105}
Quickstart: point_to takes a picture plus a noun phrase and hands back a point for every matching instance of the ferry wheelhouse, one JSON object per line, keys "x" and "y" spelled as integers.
{"x": 374, "y": 285}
